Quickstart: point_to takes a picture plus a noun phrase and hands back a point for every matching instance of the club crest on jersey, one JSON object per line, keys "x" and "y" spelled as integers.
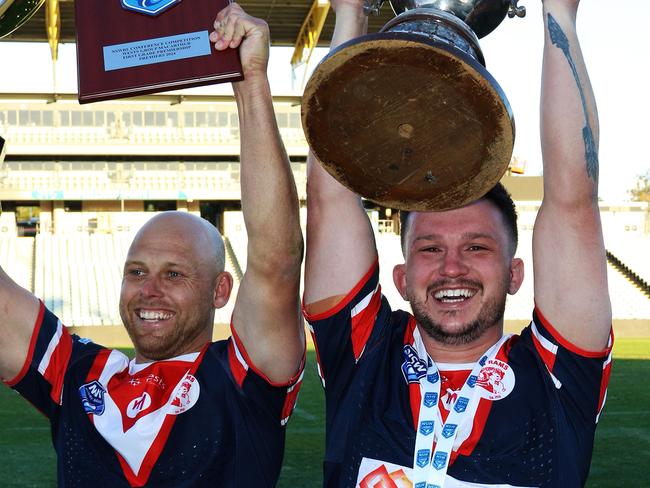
{"x": 185, "y": 396}
{"x": 92, "y": 397}
{"x": 149, "y": 7}
{"x": 422, "y": 458}
{"x": 448, "y": 430}
{"x": 413, "y": 368}
{"x": 439, "y": 460}
{"x": 461, "y": 404}
{"x": 426, "y": 427}
{"x": 430, "y": 399}
{"x": 495, "y": 380}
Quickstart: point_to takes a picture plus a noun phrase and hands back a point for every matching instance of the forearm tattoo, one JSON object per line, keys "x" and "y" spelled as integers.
{"x": 559, "y": 39}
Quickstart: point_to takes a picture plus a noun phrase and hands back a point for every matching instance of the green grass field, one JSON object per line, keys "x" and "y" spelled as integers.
{"x": 621, "y": 455}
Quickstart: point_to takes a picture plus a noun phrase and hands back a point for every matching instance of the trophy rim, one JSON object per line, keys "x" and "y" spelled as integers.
{"x": 435, "y": 200}
{"x": 439, "y": 17}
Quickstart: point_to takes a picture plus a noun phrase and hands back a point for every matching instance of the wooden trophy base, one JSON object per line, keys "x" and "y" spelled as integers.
{"x": 408, "y": 122}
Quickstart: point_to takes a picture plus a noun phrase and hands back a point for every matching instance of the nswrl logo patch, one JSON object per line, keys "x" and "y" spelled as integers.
{"x": 149, "y": 7}
{"x": 439, "y": 460}
{"x": 430, "y": 399}
{"x": 92, "y": 397}
{"x": 413, "y": 368}
{"x": 461, "y": 404}
{"x": 448, "y": 430}
{"x": 426, "y": 427}
{"x": 423, "y": 457}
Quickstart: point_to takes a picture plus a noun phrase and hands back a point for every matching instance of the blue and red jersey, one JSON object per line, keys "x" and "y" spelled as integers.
{"x": 202, "y": 419}
{"x": 533, "y": 425}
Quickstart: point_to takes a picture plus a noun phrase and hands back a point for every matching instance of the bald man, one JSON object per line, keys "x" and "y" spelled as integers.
{"x": 185, "y": 411}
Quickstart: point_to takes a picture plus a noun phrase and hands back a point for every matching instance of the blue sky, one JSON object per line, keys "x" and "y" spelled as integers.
{"x": 614, "y": 40}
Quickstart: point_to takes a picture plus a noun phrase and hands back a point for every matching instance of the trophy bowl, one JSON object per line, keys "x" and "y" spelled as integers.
{"x": 482, "y": 16}
{"x": 409, "y": 117}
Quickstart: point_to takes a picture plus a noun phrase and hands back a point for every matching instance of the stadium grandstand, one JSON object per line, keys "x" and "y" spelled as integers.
{"x": 79, "y": 180}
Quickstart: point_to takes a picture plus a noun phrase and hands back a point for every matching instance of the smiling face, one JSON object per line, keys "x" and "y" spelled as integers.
{"x": 457, "y": 273}
{"x": 173, "y": 280}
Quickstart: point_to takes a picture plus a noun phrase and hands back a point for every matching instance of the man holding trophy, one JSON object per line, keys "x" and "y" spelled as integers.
{"x": 442, "y": 397}
{"x": 185, "y": 412}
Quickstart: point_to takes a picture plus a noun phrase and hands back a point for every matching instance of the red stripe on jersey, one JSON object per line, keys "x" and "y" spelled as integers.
{"x": 344, "y": 301}
{"x": 98, "y": 365}
{"x": 604, "y": 380}
{"x": 237, "y": 369}
{"x": 363, "y": 321}
{"x": 568, "y": 345}
{"x": 318, "y": 361}
{"x": 251, "y": 365}
{"x": 290, "y": 400}
{"x": 96, "y": 369}
{"x": 546, "y": 351}
{"x": 30, "y": 351}
{"x": 55, "y": 372}
{"x": 158, "y": 444}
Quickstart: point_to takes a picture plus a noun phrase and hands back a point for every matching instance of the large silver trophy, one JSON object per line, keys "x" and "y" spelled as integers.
{"x": 409, "y": 117}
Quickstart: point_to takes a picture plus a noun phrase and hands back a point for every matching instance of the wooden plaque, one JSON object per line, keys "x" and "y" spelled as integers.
{"x": 123, "y": 53}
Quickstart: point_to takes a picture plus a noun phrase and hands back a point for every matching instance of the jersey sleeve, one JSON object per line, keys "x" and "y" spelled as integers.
{"x": 346, "y": 333}
{"x": 276, "y": 399}
{"x": 580, "y": 376}
{"x": 51, "y": 351}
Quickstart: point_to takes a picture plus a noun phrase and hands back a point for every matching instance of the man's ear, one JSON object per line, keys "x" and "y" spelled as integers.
{"x": 516, "y": 275}
{"x": 222, "y": 289}
{"x": 399, "y": 278}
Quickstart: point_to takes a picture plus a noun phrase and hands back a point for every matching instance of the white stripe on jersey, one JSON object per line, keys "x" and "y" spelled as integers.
{"x": 239, "y": 356}
{"x": 51, "y": 347}
{"x": 361, "y": 306}
{"x": 546, "y": 344}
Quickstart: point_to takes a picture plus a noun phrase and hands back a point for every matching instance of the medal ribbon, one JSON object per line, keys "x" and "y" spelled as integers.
{"x": 430, "y": 469}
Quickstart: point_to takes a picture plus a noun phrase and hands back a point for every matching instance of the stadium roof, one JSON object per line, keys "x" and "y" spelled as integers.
{"x": 285, "y": 18}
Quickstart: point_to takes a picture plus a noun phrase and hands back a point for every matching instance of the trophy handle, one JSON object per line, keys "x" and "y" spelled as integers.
{"x": 516, "y": 10}
{"x": 372, "y": 6}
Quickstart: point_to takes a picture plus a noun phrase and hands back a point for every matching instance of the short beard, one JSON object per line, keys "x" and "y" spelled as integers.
{"x": 490, "y": 315}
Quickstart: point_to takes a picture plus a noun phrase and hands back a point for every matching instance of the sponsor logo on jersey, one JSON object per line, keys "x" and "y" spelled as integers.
{"x": 85, "y": 340}
{"x": 185, "y": 396}
{"x": 426, "y": 427}
{"x": 413, "y": 368}
{"x": 92, "y": 397}
{"x": 495, "y": 380}
{"x": 422, "y": 458}
{"x": 430, "y": 399}
{"x": 137, "y": 405}
{"x": 448, "y": 430}
{"x": 439, "y": 460}
{"x": 149, "y": 7}
{"x": 461, "y": 404}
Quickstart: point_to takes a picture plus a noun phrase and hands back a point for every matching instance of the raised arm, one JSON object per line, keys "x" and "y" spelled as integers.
{"x": 340, "y": 242}
{"x": 18, "y": 313}
{"x": 568, "y": 250}
{"x": 267, "y": 315}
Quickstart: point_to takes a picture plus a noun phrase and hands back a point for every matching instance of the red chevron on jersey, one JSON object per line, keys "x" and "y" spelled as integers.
{"x": 143, "y": 400}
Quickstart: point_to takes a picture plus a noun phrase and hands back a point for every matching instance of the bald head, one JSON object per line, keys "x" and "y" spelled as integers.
{"x": 184, "y": 230}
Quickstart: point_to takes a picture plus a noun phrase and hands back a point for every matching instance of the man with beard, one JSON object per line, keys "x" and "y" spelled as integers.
{"x": 405, "y": 406}
{"x": 185, "y": 411}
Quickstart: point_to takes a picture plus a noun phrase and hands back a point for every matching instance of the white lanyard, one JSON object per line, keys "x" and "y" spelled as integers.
{"x": 430, "y": 470}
